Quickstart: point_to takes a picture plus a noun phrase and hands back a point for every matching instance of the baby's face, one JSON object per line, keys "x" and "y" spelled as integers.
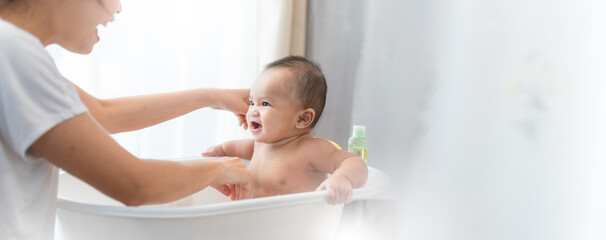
{"x": 274, "y": 107}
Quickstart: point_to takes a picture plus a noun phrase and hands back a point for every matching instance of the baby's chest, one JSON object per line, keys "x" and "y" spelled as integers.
{"x": 282, "y": 175}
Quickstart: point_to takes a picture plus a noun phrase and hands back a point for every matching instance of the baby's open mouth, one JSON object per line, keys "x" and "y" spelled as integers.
{"x": 255, "y": 125}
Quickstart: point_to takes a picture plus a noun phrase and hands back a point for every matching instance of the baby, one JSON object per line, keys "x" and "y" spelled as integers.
{"x": 286, "y": 102}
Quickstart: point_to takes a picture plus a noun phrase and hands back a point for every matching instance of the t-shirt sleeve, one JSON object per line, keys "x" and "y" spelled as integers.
{"x": 35, "y": 96}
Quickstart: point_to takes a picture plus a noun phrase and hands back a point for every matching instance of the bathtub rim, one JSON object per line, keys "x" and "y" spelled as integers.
{"x": 374, "y": 186}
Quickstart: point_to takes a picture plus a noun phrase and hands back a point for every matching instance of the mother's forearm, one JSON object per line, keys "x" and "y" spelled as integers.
{"x": 133, "y": 113}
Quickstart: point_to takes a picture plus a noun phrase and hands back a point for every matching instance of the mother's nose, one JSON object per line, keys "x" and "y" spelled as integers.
{"x": 112, "y": 6}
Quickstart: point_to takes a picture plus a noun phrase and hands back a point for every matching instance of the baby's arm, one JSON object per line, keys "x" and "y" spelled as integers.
{"x": 238, "y": 148}
{"x": 348, "y": 171}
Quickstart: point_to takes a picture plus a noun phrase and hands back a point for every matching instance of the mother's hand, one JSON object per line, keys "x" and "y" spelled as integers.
{"x": 234, "y": 174}
{"x": 233, "y": 100}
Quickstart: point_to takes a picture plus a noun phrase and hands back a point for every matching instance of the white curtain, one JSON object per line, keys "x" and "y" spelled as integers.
{"x": 507, "y": 140}
{"x": 156, "y": 46}
{"x": 489, "y": 116}
{"x": 592, "y": 82}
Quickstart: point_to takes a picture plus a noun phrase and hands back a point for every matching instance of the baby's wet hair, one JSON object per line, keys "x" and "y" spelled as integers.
{"x": 311, "y": 83}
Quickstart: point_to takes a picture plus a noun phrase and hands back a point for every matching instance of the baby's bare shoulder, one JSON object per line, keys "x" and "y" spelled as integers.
{"x": 318, "y": 145}
{"x": 317, "y": 142}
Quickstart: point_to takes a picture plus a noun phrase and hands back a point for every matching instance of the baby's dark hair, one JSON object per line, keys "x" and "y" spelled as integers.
{"x": 311, "y": 83}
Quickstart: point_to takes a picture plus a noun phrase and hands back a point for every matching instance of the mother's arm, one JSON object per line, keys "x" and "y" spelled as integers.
{"x": 133, "y": 113}
{"x": 81, "y": 147}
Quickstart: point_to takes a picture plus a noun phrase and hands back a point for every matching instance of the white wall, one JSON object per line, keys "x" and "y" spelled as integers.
{"x": 487, "y": 115}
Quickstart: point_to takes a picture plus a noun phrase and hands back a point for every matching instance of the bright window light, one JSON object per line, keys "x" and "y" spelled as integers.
{"x": 158, "y": 46}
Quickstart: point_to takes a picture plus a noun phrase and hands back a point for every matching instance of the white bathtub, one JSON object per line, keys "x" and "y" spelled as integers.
{"x": 85, "y": 213}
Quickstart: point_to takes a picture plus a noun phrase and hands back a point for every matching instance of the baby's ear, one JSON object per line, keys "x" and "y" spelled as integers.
{"x": 306, "y": 117}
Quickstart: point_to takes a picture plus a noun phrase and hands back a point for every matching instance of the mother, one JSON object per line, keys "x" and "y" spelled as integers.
{"x": 47, "y": 123}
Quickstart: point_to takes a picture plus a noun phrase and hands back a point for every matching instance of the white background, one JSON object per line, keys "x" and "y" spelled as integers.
{"x": 488, "y": 115}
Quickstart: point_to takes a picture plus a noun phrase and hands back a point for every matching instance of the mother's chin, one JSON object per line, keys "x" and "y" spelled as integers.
{"x": 83, "y": 46}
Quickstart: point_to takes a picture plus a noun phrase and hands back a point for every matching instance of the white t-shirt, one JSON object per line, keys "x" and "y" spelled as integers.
{"x": 34, "y": 97}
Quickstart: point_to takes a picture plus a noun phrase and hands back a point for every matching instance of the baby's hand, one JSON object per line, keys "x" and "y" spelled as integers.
{"x": 214, "y": 151}
{"x": 338, "y": 189}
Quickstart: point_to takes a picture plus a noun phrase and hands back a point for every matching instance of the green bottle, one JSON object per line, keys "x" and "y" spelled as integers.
{"x": 357, "y": 143}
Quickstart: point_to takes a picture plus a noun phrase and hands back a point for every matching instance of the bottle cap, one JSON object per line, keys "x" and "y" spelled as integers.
{"x": 359, "y": 130}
